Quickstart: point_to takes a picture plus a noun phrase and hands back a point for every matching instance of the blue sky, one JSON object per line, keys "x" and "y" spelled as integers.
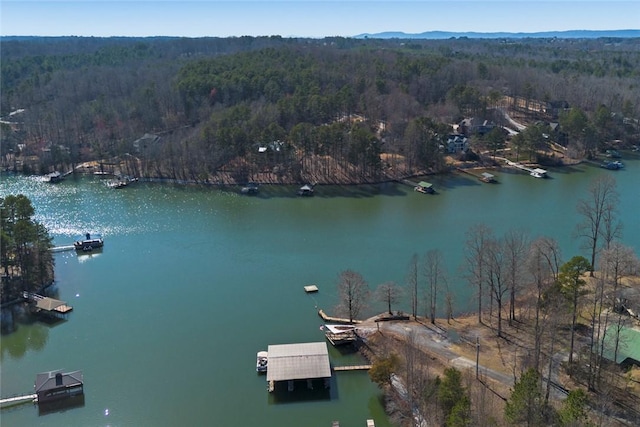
{"x": 307, "y": 18}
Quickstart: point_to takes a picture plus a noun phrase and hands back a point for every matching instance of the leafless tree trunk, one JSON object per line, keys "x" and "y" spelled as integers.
{"x": 477, "y": 238}
{"x": 543, "y": 274}
{"x": 353, "y": 291}
{"x": 388, "y": 293}
{"x": 598, "y": 213}
{"x": 495, "y": 255}
{"x": 412, "y": 284}
{"x": 435, "y": 276}
{"x": 516, "y": 243}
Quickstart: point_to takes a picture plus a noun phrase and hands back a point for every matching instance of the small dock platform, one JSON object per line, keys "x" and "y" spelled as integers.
{"x": 328, "y": 318}
{"x": 311, "y": 289}
{"x": 352, "y": 368}
{"x": 484, "y": 176}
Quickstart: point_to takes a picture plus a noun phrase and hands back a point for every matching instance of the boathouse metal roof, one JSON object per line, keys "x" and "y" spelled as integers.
{"x": 628, "y": 345}
{"x": 48, "y": 304}
{"x": 51, "y": 380}
{"x": 298, "y": 361}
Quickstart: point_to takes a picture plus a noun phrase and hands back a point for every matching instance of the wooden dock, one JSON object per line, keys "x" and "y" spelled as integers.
{"x": 17, "y": 400}
{"x": 46, "y": 304}
{"x": 412, "y": 184}
{"x": 327, "y": 318}
{"x": 352, "y": 368}
{"x": 311, "y": 289}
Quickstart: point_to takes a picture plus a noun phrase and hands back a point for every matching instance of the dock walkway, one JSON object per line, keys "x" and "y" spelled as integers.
{"x": 327, "y": 318}
{"x": 16, "y": 400}
{"x": 352, "y": 368}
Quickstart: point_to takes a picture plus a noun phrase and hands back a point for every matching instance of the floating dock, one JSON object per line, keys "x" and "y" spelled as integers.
{"x": 310, "y": 289}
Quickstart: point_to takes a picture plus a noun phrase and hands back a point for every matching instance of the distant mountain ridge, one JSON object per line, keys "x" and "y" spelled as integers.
{"x": 439, "y": 35}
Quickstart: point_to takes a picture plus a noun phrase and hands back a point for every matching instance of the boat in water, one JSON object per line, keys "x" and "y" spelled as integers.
{"x": 54, "y": 177}
{"x": 261, "y": 362}
{"x": 306, "y": 190}
{"x": 250, "y": 188}
{"x": 538, "y": 173}
{"x": 88, "y": 243}
{"x": 615, "y": 165}
{"x": 121, "y": 182}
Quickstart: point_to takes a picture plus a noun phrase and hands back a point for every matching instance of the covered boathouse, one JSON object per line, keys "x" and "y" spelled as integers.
{"x": 56, "y": 385}
{"x": 304, "y": 361}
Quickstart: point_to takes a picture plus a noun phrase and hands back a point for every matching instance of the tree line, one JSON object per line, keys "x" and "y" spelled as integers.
{"x": 526, "y": 287}
{"x": 25, "y": 249}
{"x": 271, "y": 108}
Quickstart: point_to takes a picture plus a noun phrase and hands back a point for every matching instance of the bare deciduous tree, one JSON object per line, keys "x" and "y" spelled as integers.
{"x": 496, "y": 277}
{"x": 542, "y": 265}
{"x": 477, "y": 238}
{"x": 598, "y": 213}
{"x": 388, "y": 293}
{"x": 412, "y": 284}
{"x": 353, "y": 291}
{"x": 516, "y": 243}
{"x": 435, "y": 275}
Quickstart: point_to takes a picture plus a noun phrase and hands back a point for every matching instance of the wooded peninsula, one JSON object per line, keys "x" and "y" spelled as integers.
{"x": 289, "y": 110}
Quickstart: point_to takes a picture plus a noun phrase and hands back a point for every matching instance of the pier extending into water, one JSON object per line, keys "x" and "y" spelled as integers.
{"x": 18, "y": 400}
{"x": 328, "y": 318}
{"x": 352, "y": 368}
{"x": 63, "y": 248}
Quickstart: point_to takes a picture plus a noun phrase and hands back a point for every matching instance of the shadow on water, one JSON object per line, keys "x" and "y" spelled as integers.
{"x": 61, "y": 405}
{"x": 303, "y": 391}
{"x": 330, "y": 191}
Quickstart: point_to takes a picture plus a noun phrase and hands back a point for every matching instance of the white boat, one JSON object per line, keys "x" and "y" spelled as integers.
{"x": 538, "y": 173}
{"x": 261, "y": 361}
{"x": 306, "y": 190}
{"x": 250, "y": 188}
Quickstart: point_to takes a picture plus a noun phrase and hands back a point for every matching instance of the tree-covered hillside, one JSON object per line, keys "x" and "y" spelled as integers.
{"x": 286, "y": 110}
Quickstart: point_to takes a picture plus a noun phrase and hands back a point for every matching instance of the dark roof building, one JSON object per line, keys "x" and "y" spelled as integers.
{"x": 54, "y": 385}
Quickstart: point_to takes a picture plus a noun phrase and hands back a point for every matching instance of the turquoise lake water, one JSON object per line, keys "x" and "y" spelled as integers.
{"x": 193, "y": 281}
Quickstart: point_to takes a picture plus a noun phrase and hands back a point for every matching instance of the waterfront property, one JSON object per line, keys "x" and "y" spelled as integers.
{"x": 57, "y": 385}
{"x": 48, "y": 306}
{"x": 303, "y": 361}
{"x": 424, "y": 187}
{"x": 538, "y": 173}
{"x": 487, "y": 177}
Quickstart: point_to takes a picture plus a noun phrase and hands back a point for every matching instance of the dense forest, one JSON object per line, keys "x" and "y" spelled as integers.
{"x": 282, "y": 110}
{"x": 25, "y": 249}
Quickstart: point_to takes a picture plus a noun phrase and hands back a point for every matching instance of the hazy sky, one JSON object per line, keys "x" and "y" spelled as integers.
{"x": 307, "y": 18}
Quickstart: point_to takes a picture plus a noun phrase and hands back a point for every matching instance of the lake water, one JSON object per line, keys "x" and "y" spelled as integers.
{"x": 193, "y": 281}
